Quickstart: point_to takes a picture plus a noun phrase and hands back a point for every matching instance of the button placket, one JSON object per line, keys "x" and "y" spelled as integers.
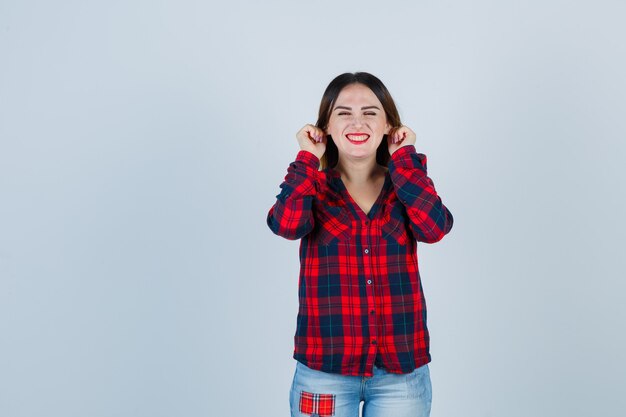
{"x": 370, "y": 231}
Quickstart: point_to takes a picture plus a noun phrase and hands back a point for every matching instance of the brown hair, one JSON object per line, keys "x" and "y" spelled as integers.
{"x": 331, "y": 156}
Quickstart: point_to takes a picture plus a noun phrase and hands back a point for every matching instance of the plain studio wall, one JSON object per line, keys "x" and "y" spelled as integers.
{"x": 142, "y": 144}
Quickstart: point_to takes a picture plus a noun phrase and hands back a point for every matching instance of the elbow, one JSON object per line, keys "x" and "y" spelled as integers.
{"x": 289, "y": 233}
{"x": 438, "y": 230}
{"x": 430, "y": 237}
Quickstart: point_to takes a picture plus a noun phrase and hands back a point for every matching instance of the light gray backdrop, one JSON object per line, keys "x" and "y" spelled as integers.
{"x": 143, "y": 142}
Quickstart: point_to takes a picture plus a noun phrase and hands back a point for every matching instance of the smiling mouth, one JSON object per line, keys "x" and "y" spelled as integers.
{"x": 357, "y": 138}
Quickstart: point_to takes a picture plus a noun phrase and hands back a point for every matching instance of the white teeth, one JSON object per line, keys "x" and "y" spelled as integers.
{"x": 358, "y": 138}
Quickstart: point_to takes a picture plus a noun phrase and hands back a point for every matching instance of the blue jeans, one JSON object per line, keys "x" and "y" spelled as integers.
{"x": 320, "y": 394}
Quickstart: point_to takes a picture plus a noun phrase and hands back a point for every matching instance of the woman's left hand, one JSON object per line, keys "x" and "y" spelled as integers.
{"x": 399, "y": 137}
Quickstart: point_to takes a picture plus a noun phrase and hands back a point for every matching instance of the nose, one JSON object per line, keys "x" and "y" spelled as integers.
{"x": 356, "y": 120}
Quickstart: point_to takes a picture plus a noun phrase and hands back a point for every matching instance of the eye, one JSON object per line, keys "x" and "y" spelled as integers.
{"x": 344, "y": 113}
{"x": 370, "y": 113}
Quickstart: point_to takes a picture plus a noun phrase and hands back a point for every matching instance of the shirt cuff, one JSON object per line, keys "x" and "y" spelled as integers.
{"x": 407, "y": 157}
{"x": 308, "y": 158}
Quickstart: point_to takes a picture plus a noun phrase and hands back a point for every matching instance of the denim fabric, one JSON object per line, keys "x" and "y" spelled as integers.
{"x": 383, "y": 395}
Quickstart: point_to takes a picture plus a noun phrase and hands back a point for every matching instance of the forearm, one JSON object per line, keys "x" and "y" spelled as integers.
{"x": 430, "y": 219}
{"x": 291, "y": 216}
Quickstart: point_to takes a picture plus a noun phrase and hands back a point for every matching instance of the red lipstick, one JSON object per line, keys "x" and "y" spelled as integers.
{"x": 362, "y": 137}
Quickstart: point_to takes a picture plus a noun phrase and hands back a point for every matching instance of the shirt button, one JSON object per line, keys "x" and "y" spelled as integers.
{"x": 367, "y": 251}
{"x": 369, "y": 282}
{"x": 374, "y": 342}
{"x": 372, "y": 312}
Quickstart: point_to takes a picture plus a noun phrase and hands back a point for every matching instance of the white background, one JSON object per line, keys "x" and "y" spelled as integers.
{"x": 143, "y": 142}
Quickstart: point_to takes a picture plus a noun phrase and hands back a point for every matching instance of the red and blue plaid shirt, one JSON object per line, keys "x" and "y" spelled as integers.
{"x": 361, "y": 299}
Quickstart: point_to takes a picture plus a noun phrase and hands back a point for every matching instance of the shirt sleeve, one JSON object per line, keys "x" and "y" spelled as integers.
{"x": 291, "y": 216}
{"x": 430, "y": 220}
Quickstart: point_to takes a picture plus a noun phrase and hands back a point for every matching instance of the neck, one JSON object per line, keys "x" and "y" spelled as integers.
{"x": 359, "y": 172}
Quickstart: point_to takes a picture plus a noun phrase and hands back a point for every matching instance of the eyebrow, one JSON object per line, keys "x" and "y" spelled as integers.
{"x": 350, "y": 108}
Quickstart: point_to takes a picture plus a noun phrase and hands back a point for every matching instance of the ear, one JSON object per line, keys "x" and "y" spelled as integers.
{"x": 387, "y": 128}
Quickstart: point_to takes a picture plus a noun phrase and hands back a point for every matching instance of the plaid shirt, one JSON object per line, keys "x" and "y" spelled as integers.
{"x": 361, "y": 299}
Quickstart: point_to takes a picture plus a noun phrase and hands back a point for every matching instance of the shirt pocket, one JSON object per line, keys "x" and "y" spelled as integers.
{"x": 334, "y": 225}
{"x": 394, "y": 228}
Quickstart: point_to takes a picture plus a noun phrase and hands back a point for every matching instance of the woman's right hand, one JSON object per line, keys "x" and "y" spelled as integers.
{"x": 313, "y": 139}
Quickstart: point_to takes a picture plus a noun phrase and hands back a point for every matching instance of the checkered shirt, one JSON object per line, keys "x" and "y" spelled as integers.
{"x": 360, "y": 294}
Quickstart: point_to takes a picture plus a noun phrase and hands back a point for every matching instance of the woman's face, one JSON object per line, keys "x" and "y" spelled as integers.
{"x": 357, "y": 122}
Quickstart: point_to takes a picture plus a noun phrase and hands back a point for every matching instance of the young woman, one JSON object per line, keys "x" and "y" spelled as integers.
{"x": 359, "y": 198}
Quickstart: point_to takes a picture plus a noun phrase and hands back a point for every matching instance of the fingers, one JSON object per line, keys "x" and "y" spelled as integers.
{"x": 312, "y": 139}
{"x": 399, "y": 137}
{"x": 399, "y": 134}
{"x": 316, "y": 134}
{"x": 312, "y": 133}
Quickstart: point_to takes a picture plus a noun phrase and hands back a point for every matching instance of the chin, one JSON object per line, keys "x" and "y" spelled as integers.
{"x": 361, "y": 155}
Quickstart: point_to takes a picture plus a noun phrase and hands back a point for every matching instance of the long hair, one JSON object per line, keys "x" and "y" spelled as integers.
{"x": 331, "y": 155}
